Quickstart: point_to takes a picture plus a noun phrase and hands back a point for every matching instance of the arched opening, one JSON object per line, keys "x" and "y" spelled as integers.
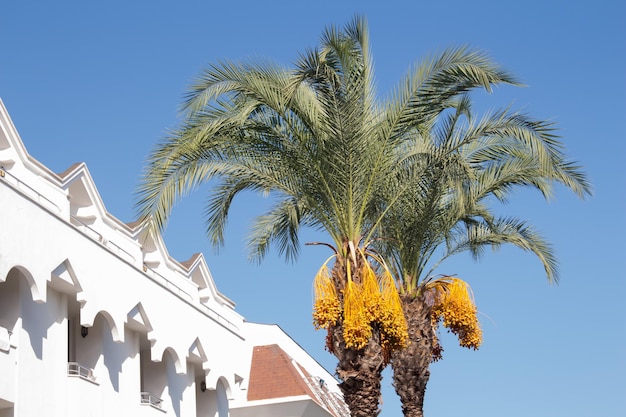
{"x": 222, "y": 398}
{"x": 162, "y": 385}
{"x": 9, "y": 304}
{"x": 33, "y": 337}
{"x": 213, "y": 402}
{"x": 153, "y": 377}
{"x": 93, "y": 351}
{"x": 9, "y": 316}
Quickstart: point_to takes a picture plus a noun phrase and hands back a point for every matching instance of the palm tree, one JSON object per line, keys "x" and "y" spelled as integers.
{"x": 471, "y": 164}
{"x": 314, "y": 139}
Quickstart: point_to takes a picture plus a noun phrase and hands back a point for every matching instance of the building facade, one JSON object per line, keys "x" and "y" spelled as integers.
{"x": 97, "y": 319}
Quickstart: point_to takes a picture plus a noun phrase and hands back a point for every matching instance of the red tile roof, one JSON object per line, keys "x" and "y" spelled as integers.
{"x": 273, "y": 374}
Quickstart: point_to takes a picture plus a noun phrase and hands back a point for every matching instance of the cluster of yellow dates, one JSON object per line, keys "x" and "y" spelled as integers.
{"x": 456, "y": 310}
{"x": 371, "y": 303}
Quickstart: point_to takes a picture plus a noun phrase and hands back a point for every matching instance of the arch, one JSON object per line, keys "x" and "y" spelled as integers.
{"x": 213, "y": 379}
{"x": 87, "y": 318}
{"x": 23, "y": 309}
{"x": 37, "y": 295}
{"x": 223, "y": 394}
{"x": 10, "y": 302}
{"x": 158, "y": 353}
{"x": 223, "y": 382}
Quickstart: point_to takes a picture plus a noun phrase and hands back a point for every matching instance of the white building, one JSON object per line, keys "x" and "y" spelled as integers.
{"x": 96, "y": 319}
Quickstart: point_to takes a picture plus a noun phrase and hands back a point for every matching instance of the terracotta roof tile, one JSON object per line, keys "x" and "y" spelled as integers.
{"x": 273, "y": 374}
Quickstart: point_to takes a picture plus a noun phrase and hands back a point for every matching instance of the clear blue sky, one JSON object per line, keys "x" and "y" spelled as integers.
{"x": 100, "y": 82}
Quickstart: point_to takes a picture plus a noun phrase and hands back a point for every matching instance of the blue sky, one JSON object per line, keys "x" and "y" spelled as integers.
{"x": 101, "y": 82}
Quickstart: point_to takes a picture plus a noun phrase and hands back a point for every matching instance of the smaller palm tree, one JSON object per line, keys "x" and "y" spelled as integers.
{"x": 470, "y": 165}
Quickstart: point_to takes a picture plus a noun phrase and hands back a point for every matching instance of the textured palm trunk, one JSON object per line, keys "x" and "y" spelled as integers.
{"x": 410, "y": 365}
{"x": 360, "y": 370}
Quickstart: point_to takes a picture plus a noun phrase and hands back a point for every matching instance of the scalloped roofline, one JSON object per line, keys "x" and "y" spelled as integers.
{"x": 138, "y": 230}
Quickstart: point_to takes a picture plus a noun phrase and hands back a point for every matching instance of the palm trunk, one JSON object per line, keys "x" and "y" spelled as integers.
{"x": 360, "y": 372}
{"x": 410, "y": 365}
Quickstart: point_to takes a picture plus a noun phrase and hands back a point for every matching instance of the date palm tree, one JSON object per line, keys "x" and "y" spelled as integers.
{"x": 472, "y": 164}
{"x": 315, "y": 140}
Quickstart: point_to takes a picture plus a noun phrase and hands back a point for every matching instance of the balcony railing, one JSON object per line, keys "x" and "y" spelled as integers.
{"x": 168, "y": 284}
{"x": 151, "y": 400}
{"x": 28, "y": 190}
{"x": 208, "y": 311}
{"x": 77, "y": 370}
{"x": 93, "y": 234}
{"x": 331, "y": 400}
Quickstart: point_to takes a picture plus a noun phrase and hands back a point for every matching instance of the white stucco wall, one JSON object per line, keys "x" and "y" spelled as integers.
{"x": 154, "y": 325}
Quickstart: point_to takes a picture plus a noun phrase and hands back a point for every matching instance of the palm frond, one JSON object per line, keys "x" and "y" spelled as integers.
{"x": 477, "y": 236}
{"x": 280, "y": 225}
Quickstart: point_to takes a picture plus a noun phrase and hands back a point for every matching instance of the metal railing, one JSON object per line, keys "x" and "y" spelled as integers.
{"x": 93, "y": 234}
{"x": 28, "y": 190}
{"x": 331, "y": 400}
{"x": 85, "y": 229}
{"x": 167, "y": 284}
{"x": 208, "y": 311}
{"x": 151, "y": 400}
{"x": 76, "y": 369}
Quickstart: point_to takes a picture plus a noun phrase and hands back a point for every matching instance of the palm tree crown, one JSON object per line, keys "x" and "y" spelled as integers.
{"x": 333, "y": 158}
